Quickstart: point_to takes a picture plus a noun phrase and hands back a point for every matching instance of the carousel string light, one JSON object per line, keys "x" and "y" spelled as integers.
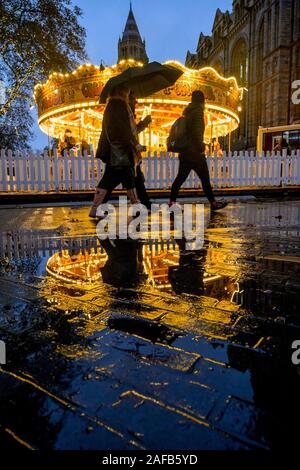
{"x": 65, "y": 97}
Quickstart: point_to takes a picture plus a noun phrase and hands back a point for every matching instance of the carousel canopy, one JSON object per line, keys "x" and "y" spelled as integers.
{"x": 71, "y": 101}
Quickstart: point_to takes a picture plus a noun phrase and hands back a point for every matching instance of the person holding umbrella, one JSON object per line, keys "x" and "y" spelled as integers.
{"x": 139, "y": 176}
{"x": 119, "y": 141}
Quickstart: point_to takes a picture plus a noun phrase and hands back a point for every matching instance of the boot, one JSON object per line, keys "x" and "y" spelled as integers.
{"x": 98, "y": 199}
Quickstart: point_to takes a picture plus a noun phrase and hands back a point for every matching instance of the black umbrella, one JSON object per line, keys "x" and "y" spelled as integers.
{"x": 143, "y": 81}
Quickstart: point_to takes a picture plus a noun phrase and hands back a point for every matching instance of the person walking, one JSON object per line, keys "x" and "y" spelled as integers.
{"x": 118, "y": 142}
{"x": 139, "y": 176}
{"x": 193, "y": 157}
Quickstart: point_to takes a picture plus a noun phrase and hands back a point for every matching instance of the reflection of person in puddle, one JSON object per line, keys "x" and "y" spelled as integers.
{"x": 191, "y": 277}
{"x": 188, "y": 276}
{"x": 124, "y": 262}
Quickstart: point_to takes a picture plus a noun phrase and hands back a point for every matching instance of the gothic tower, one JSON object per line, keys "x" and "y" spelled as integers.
{"x": 131, "y": 45}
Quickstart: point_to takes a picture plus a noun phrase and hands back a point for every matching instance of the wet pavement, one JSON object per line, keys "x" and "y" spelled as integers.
{"x": 148, "y": 345}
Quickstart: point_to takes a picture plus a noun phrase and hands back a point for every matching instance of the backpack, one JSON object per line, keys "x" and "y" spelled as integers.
{"x": 177, "y": 140}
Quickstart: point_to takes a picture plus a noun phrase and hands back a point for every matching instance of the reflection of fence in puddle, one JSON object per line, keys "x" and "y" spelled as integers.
{"x": 24, "y": 243}
{"x": 2, "y": 352}
{"x": 261, "y": 214}
{"x": 21, "y": 243}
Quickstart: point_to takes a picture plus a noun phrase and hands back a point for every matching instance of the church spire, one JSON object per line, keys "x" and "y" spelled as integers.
{"x": 131, "y": 45}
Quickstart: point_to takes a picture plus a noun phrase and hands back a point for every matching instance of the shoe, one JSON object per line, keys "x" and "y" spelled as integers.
{"x": 218, "y": 205}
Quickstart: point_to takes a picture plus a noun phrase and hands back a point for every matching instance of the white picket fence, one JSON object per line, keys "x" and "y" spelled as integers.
{"x": 75, "y": 172}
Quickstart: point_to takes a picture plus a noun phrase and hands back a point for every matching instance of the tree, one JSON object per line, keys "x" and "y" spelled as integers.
{"x": 37, "y": 37}
{"x": 15, "y": 126}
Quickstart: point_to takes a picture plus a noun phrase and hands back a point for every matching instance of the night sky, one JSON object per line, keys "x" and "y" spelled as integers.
{"x": 170, "y": 28}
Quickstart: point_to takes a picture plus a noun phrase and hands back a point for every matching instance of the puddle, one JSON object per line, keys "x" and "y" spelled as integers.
{"x": 86, "y": 321}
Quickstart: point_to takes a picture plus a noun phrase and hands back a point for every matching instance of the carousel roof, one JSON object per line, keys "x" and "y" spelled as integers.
{"x": 72, "y": 99}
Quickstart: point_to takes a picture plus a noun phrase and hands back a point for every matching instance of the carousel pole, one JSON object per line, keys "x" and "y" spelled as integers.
{"x": 48, "y": 135}
{"x": 211, "y": 137}
{"x": 150, "y": 138}
{"x": 80, "y": 126}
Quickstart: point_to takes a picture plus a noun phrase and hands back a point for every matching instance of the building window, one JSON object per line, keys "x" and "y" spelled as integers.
{"x": 269, "y": 43}
{"x": 258, "y": 106}
{"x": 260, "y": 52}
{"x": 217, "y": 36}
{"x": 239, "y": 61}
{"x": 276, "y": 25}
{"x": 237, "y": 13}
{"x": 216, "y": 39}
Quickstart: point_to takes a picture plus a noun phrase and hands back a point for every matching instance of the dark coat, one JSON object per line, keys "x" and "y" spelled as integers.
{"x": 195, "y": 125}
{"x": 116, "y": 137}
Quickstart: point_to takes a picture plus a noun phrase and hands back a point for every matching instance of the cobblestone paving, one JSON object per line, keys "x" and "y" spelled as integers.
{"x": 193, "y": 353}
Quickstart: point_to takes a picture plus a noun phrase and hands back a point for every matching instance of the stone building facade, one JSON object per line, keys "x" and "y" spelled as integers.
{"x": 131, "y": 46}
{"x": 258, "y": 43}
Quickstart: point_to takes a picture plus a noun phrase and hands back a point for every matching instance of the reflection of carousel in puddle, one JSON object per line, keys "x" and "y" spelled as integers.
{"x": 157, "y": 261}
{"x": 79, "y": 268}
{"x": 173, "y": 268}
{"x": 168, "y": 267}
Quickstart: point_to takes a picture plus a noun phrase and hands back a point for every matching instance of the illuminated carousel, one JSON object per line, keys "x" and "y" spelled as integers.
{"x": 71, "y": 101}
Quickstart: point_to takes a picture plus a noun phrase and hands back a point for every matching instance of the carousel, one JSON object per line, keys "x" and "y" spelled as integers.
{"x": 70, "y": 102}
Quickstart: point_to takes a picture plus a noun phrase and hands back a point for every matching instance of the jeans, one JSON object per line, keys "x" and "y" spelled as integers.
{"x": 187, "y": 163}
